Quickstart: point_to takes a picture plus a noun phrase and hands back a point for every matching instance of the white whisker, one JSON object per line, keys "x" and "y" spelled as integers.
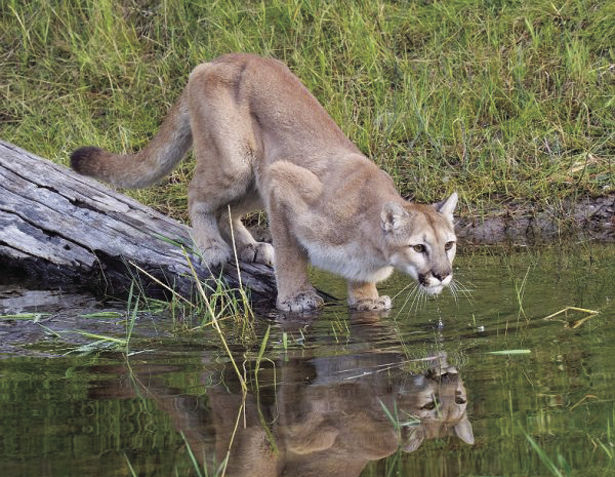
{"x": 409, "y": 296}
{"x": 403, "y": 290}
{"x": 453, "y": 288}
{"x": 459, "y": 288}
{"x": 416, "y": 294}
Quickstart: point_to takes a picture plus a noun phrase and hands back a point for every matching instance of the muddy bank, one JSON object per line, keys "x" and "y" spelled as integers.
{"x": 587, "y": 219}
{"x": 53, "y": 323}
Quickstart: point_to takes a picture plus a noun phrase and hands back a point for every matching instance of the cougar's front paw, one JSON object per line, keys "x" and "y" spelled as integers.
{"x": 259, "y": 252}
{"x": 368, "y": 304}
{"x": 215, "y": 254}
{"x": 304, "y": 301}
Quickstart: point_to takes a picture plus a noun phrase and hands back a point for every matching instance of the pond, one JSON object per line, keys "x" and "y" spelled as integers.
{"x": 492, "y": 382}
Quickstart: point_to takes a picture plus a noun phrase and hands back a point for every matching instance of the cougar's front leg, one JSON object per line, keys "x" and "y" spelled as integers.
{"x": 363, "y": 296}
{"x": 295, "y": 293}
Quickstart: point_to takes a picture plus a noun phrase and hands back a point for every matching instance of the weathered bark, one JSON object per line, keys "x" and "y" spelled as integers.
{"x": 58, "y": 227}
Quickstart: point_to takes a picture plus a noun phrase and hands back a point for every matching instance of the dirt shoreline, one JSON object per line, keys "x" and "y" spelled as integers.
{"x": 587, "y": 219}
{"x": 521, "y": 224}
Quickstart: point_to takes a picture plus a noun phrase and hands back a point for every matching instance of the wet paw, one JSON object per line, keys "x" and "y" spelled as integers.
{"x": 259, "y": 252}
{"x": 369, "y": 304}
{"x": 304, "y": 301}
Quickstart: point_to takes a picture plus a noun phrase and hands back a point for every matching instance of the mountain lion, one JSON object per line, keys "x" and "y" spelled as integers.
{"x": 262, "y": 140}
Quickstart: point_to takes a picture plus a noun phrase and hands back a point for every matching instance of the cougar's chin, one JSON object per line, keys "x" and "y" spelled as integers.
{"x": 432, "y": 290}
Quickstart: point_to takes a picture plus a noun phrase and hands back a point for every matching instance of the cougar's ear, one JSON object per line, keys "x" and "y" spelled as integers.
{"x": 463, "y": 430}
{"x": 391, "y": 216}
{"x": 447, "y": 207}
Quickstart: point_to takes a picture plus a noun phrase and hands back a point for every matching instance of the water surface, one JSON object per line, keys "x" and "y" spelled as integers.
{"x": 418, "y": 392}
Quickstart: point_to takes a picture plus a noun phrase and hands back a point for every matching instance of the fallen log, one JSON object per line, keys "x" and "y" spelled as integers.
{"x": 61, "y": 228}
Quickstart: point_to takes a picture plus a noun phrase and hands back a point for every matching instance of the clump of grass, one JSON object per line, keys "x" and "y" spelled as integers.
{"x": 499, "y": 100}
{"x": 214, "y": 300}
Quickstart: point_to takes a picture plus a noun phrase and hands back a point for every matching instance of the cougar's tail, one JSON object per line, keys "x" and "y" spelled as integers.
{"x": 147, "y": 166}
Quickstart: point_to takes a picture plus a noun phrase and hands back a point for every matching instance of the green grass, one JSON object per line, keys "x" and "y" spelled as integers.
{"x": 500, "y": 100}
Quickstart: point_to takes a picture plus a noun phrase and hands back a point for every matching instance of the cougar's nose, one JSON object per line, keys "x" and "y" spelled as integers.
{"x": 441, "y": 275}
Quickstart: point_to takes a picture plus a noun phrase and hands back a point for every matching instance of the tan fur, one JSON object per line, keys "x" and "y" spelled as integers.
{"x": 328, "y": 416}
{"x": 262, "y": 140}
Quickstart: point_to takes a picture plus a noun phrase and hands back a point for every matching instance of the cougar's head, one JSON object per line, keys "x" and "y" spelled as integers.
{"x": 420, "y": 241}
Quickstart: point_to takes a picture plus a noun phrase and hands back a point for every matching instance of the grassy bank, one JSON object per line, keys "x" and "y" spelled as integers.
{"x": 498, "y": 99}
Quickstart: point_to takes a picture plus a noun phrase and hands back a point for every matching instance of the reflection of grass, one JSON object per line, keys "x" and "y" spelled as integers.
{"x": 509, "y": 352}
{"x": 609, "y": 437}
{"x": 395, "y": 420}
{"x": 130, "y": 467}
{"x": 261, "y": 417}
{"x": 195, "y": 463}
{"x": 106, "y": 342}
{"x": 215, "y": 316}
{"x": 520, "y": 292}
{"x": 547, "y": 461}
{"x": 102, "y": 314}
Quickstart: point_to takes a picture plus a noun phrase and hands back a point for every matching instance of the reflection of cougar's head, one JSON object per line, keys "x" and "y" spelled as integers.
{"x": 428, "y": 406}
{"x": 331, "y": 416}
{"x": 421, "y": 242}
{"x": 438, "y": 402}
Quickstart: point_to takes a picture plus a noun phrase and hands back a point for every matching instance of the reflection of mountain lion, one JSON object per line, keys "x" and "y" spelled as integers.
{"x": 336, "y": 424}
{"x": 260, "y": 138}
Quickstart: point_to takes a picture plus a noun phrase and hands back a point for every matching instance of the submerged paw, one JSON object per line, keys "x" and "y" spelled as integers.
{"x": 304, "y": 301}
{"x": 371, "y": 304}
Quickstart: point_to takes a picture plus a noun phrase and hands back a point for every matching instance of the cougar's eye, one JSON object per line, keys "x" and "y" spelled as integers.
{"x": 420, "y": 248}
{"x": 449, "y": 245}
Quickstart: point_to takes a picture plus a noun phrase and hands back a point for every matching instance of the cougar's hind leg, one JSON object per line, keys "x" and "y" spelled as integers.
{"x": 208, "y": 198}
{"x": 223, "y": 145}
{"x": 220, "y": 178}
{"x": 203, "y": 217}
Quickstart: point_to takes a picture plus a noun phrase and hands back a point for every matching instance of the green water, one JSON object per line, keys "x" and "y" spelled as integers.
{"x": 344, "y": 394}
